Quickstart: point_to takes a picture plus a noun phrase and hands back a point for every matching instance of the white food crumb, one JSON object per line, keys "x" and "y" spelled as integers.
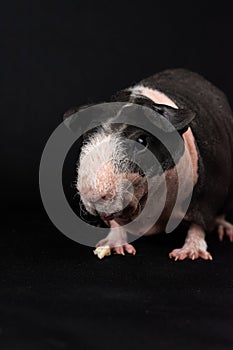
{"x": 102, "y": 251}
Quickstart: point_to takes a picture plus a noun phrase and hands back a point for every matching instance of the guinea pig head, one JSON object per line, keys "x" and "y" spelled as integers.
{"x": 109, "y": 183}
{"x": 113, "y": 173}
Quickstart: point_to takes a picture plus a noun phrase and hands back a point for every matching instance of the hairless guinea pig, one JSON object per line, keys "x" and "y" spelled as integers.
{"x": 201, "y": 115}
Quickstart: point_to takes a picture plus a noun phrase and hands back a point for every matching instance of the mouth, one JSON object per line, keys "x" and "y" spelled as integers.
{"x": 112, "y": 216}
{"x": 128, "y": 213}
{"x": 109, "y": 217}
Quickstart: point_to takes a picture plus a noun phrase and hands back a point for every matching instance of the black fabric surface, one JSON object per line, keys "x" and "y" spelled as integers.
{"x": 55, "y": 294}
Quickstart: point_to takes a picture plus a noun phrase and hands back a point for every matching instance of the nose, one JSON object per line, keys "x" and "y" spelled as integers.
{"x": 97, "y": 199}
{"x": 105, "y": 203}
{"x": 107, "y": 196}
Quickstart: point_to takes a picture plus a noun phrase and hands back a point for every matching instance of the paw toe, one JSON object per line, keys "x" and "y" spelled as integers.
{"x": 130, "y": 249}
{"x": 205, "y": 255}
{"x": 119, "y": 250}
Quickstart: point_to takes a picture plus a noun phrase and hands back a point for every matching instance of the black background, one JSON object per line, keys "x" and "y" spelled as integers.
{"x": 54, "y": 293}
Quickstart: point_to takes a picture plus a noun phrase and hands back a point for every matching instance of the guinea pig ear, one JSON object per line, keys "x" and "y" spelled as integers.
{"x": 73, "y": 120}
{"x": 74, "y": 109}
{"x": 180, "y": 118}
{"x": 71, "y": 123}
{"x": 70, "y": 111}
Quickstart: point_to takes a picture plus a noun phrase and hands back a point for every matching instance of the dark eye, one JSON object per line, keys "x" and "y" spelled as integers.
{"x": 143, "y": 140}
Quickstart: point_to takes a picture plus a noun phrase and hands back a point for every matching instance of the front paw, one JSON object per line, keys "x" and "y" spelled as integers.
{"x": 186, "y": 252}
{"x": 117, "y": 247}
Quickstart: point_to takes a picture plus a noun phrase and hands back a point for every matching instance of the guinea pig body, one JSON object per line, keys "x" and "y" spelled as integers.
{"x": 115, "y": 188}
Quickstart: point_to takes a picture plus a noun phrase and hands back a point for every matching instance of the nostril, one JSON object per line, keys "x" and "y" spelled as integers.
{"x": 106, "y": 197}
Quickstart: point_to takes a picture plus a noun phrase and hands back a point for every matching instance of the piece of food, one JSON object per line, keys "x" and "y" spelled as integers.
{"x": 103, "y": 251}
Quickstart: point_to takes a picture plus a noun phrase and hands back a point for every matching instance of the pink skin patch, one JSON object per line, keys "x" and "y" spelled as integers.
{"x": 105, "y": 182}
{"x": 191, "y": 147}
{"x": 154, "y": 95}
{"x": 195, "y": 246}
{"x": 224, "y": 228}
